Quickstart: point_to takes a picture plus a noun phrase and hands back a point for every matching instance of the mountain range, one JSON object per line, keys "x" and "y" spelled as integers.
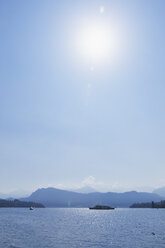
{"x": 160, "y": 191}
{"x": 52, "y": 197}
{"x": 85, "y": 190}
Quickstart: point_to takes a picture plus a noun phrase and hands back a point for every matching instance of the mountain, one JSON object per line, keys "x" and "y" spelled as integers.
{"x": 52, "y": 197}
{"x": 85, "y": 190}
{"x": 160, "y": 191}
{"x": 19, "y": 204}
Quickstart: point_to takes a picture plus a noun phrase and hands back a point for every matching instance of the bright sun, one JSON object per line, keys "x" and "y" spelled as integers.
{"x": 94, "y": 42}
{"x": 97, "y": 42}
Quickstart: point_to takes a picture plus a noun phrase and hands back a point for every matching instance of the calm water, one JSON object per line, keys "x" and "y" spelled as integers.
{"x": 70, "y": 228}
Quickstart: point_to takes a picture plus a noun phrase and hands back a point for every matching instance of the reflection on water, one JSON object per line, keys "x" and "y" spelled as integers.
{"x": 70, "y": 228}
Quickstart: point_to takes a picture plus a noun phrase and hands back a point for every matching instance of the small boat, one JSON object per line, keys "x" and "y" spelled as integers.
{"x": 100, "y": 207}
{"x": 31, "y": 208}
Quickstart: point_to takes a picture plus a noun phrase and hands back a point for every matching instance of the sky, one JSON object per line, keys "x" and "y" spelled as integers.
{"x": 82, "y": 94}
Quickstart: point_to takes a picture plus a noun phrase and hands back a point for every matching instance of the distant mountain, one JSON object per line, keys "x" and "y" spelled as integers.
{"x": 14, "y": 194}
{"x": 19, "y": 204}
{"x": 160, "y": 191}
{"x": 52, "y": 197}
{"x": 85, "y": 190}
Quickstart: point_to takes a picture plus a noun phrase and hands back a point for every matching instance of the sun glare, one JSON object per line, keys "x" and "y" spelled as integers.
{"x": 94, "y": 42}
{"x": 97, "y": 42}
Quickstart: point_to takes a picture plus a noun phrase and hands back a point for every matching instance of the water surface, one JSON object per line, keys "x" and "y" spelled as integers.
{"x": 71, "y": 228}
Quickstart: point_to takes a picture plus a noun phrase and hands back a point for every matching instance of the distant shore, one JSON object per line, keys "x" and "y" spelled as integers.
{"x": 19, "y": 204}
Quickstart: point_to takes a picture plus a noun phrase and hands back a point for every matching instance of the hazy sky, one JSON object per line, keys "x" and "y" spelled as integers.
{"x": 69, "y": 120}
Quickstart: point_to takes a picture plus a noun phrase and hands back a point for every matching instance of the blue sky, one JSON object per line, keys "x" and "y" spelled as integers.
{"x": 65, "y": 124}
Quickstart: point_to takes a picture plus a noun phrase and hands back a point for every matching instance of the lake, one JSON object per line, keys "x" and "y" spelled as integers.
{"x": 71, "y": 228}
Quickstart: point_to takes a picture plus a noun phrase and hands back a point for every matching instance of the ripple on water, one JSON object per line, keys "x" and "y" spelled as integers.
{"x": 72, "y": 228}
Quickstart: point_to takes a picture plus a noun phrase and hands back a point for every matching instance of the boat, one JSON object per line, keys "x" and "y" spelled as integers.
{"x": 101, "y": 207}
{"x": 31, "y": 208}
